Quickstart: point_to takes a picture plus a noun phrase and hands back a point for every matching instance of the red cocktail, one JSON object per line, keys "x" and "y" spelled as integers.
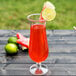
{"x": 38, "y": 46}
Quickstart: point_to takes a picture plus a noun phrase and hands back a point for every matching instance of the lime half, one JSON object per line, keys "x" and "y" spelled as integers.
{"x": 49, "y": 14}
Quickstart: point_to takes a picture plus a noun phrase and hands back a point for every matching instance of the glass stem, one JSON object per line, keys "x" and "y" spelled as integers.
{"x": 38, "y": 65}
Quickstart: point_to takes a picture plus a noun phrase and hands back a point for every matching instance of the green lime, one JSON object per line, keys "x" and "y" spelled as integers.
{"x": 11, "y": 48}
{"x": 12, "y": 40}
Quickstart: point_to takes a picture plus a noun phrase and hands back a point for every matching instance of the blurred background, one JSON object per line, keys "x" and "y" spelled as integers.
{"x": 13, "y": 13}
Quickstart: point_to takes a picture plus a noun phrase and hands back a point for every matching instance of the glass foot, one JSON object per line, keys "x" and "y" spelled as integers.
{"x": 38, "y": 70}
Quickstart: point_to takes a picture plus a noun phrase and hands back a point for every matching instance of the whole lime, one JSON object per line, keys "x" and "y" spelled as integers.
{"x": 12, "y": 40}
{"x": 11, "y": 48}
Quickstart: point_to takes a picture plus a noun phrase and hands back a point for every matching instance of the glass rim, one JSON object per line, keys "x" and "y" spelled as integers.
{"x": 28, "y": 17}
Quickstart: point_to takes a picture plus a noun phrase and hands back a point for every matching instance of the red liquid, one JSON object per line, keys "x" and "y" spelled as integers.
{"x": 38, "y": 48}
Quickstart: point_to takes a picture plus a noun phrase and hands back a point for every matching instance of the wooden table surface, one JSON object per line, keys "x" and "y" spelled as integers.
{"x": 61, "y": 59}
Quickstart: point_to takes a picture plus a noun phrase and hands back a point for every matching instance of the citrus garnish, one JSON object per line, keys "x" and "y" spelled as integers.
{"x": 48, "y": 4}
{"x": 48, "y": 14}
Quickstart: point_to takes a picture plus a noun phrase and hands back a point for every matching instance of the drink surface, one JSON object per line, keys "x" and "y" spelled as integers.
{"x": 38, "y": 47}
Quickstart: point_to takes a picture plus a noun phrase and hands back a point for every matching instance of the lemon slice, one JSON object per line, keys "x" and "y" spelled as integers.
{"x": 48, "y": 14}
{"x": 48, "y": 4}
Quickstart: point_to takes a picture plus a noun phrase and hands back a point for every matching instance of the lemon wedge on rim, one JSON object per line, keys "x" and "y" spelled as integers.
{"x": 48, "y": 4}
{"x": 48, "y": 14}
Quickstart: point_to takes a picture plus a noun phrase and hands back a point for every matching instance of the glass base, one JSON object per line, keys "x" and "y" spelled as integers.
{"x": 38, "y": 71}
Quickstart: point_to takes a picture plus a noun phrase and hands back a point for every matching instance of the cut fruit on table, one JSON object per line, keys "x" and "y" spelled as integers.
{"x": 23, "y": 41}
{"x": 48, "y": 12}
{"x": 12, "y": 47}
{"x": 20, "y": 36}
